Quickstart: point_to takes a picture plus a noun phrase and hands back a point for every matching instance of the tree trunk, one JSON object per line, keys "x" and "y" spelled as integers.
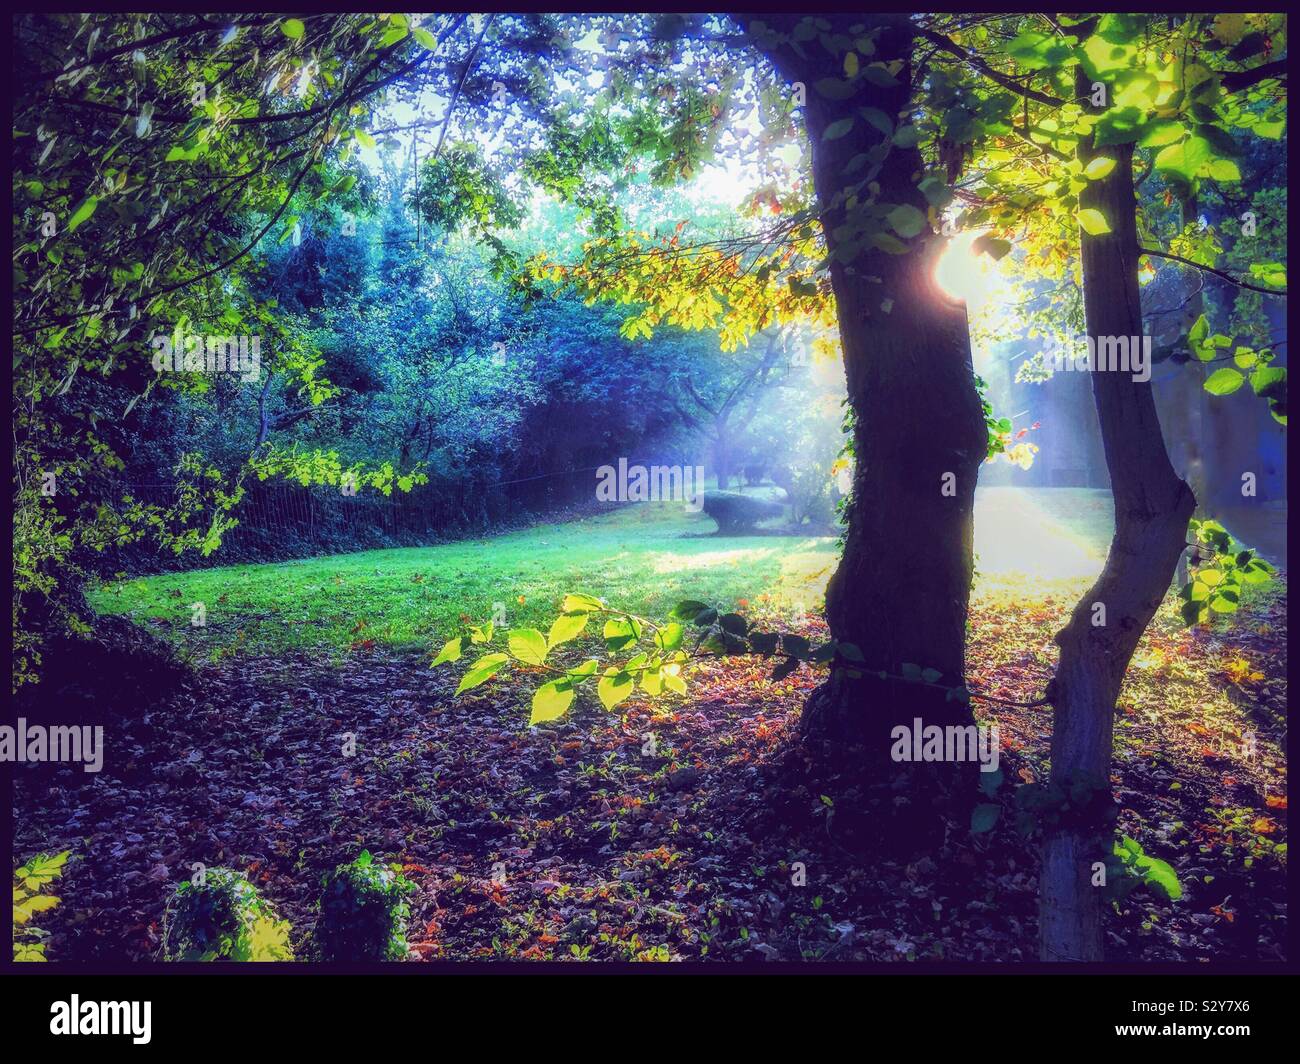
{"x": 1152, "y": 508}
{"x": 903, "y": 584}
{"x": 722, "y": 457}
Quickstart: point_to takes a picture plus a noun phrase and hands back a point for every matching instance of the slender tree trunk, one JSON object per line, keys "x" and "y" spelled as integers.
{"x": 1152, "y": 508}
{"x": 722, "y": 457}
{"x": 902, "y": 587}
{"x": 1180, "y": 406}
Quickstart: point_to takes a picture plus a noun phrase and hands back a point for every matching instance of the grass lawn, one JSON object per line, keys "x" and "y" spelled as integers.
{"x": 644, "y": 557}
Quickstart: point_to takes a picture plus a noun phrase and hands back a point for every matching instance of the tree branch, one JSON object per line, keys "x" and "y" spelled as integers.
{"x": 998, "y": 78}
{"x": 1236, "y": 80}
{"x": 1210, "y": 269}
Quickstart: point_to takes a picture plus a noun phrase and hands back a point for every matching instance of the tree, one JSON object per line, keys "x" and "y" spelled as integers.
{"x": 726, "y": 407}
{"x": 152, "y": 158}
{"x": 854, "y": 250}
{"x": 1131, "y": 81}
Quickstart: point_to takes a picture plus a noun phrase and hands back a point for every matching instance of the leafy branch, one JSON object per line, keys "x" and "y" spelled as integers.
{"x": 655, "y": 655}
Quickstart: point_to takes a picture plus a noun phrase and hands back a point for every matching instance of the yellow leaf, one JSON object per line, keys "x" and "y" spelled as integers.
{"x": 1093, "y": 222}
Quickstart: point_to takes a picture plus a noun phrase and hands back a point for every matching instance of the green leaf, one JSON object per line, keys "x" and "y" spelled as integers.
{"x": 834, "y": 88}
{"x": 652, "y": 681}
{"x": 621, "y": 632}
{"x": 795, "y": 645}
{"x": 1119, "y": 125}
{"x": 1093, "y": 222}
{"x": 673, "y": 679}
{"x": 528, "y": 645}
{"x": 292, "y": 28}
{"x": 838, "y": 128}
{"x": 37, "y": 903}
{"x": 906, "y": 220}
{"x": 580, "y": 672}
{"x": 551, "y": 701}
{"x": 1098, "y": 168}
{"x": 565, "y": 628}
{"x": 1160, "y": 133}
{"x": 669, "y": 637}
{"x": 449, "y": 652}
{"x": 1186, "y": 159}
{"x": 733, "y": 623}
{"x": 1224, "y": 170}
{"x": 1269, "y": 130}
{"x": 991, "y": 246}
{"x": 878, "y": 75}
{"x": 581, "y": 604}
{"x": 83, "y": 212}
{"x": 878, "y": 118}
{"x": 1269, "y": 381}
{"x": 482, "y": 670}
{"x": 1224, "y": 381}
{"x": 983, "y": 817}
{"x": 42, "y": 869}
{"x": 1158, "y": 873}
{"x": 614, "y": 686}
{"x": 427, "y": 40}
{"x": 687, "y": 611}
{"x": 907, "y": 137}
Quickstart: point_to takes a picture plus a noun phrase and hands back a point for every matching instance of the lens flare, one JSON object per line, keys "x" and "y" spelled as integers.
{"x": 963, "y": 273}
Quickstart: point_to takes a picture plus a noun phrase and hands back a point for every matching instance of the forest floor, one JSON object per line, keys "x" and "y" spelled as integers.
{"x": 582, "y": 841}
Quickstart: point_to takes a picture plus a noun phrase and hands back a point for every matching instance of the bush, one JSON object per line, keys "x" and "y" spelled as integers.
{"x": 363, "y": 913}
{"x": 811, "y": 492}
{"x": 738, "y": 514}
{"x": 223, "y": 918}
{"x": 29, "y": 881}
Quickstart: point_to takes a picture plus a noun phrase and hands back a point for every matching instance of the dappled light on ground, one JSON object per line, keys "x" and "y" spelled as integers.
{"x": 1054, "y": 533}
{"x": 616, "y": 855}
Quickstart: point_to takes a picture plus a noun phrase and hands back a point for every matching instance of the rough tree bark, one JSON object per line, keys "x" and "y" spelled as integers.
{"x": 902, "y": 587}
{"x": 1152, "y": 508}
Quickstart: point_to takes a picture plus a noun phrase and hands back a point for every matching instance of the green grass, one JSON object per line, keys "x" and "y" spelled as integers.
{"x": 644, "y": 558}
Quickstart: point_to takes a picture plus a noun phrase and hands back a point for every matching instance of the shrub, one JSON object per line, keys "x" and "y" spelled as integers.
{"x": 738, "y": 514}
{"x": 363, "y": 912}
{"x": 37, "y": 873}
{"x": 223, "y": 918}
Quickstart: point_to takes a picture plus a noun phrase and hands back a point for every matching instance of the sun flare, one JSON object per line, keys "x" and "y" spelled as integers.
{"x": 965, "y": 274}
